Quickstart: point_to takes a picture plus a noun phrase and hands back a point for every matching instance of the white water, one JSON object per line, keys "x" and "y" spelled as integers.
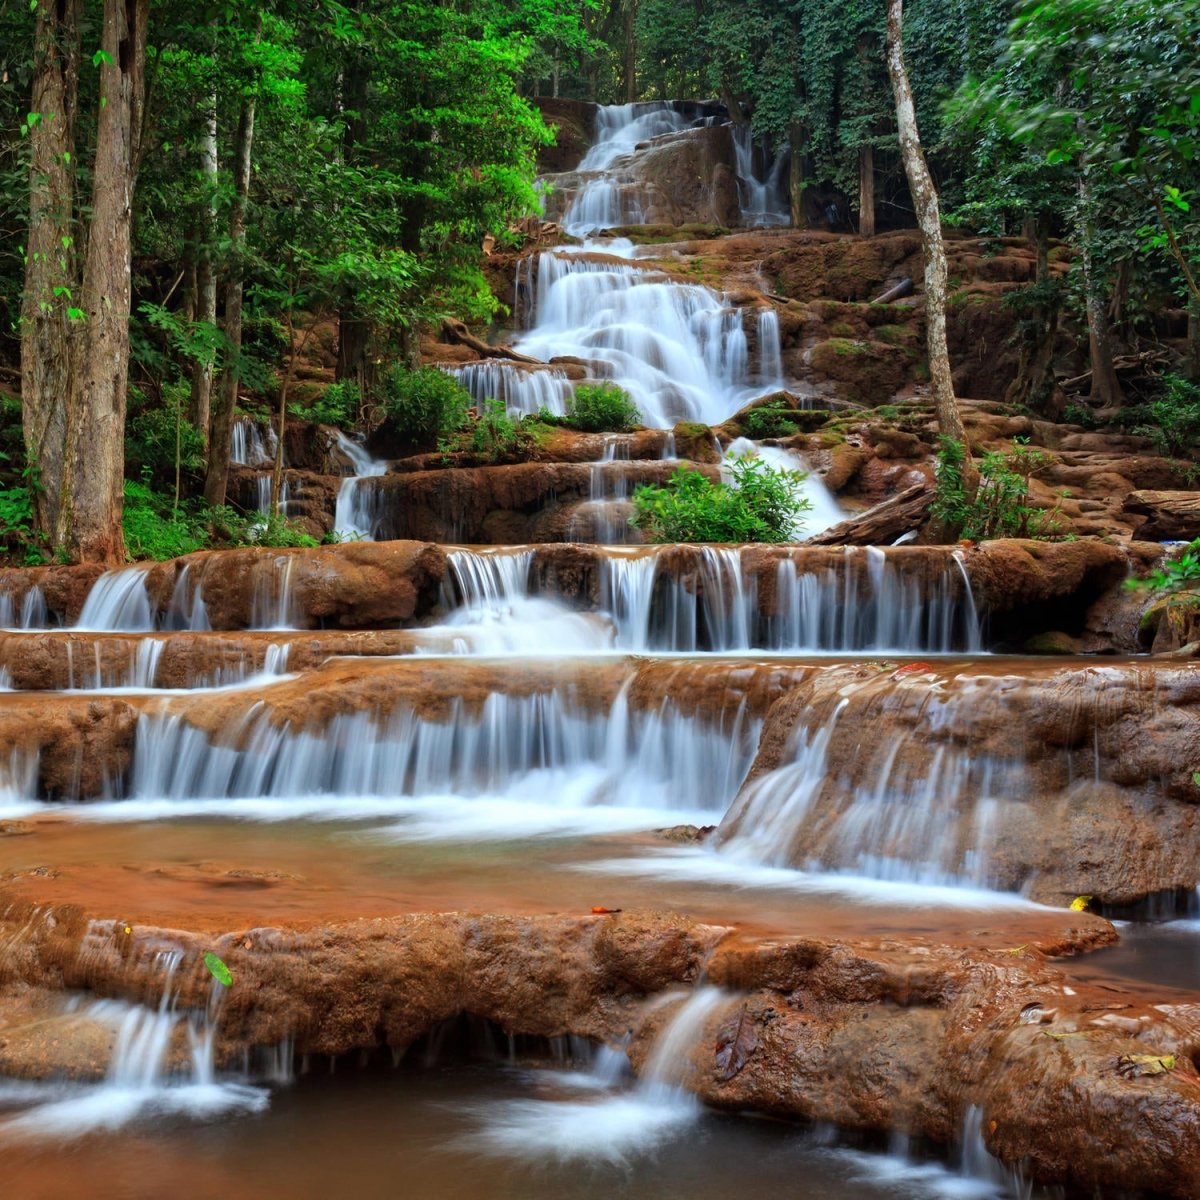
{"x": 763, "y": 194}
{"x": 142, "y": 1079}
{"x": 523, "y": 392}
{"x": 32, "y": 613}
{"x": 356, "y": 515}
{"x": 118, "y": 602}
{"x": 252, "y": 444}
{"x": 610, "y": 1123}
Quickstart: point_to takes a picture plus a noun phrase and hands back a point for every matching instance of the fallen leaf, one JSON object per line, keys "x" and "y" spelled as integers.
{"x": 219, "y": 971}
{"x": 1133, "y": 1065}
{"x": 600, "y": 910}
{"x": 1080, "y": 903}
{"x": 917, "y": 668}
{"x": 736, "y": 1041}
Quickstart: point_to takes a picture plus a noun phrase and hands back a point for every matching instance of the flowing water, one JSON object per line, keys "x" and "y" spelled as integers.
{"x": 514, "y": 754}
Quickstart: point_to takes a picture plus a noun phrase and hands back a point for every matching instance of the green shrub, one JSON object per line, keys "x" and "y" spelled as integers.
{"x": 17, "y": 534}
{"x": 425, "y": 404}
{"x": 1000, "y": 507}
{"x": 494, "y": 435}
{"x": 760, "y": 505}
{"x": 336, "y": 405}
{"x": 602, "y": 408}
{"x": 768, "y": 421}
{"x": 155, "y": 529}
{"x": 1181, "y": 570}
{"x": 1173, "y": 417}
{"x": 151, "y": 433}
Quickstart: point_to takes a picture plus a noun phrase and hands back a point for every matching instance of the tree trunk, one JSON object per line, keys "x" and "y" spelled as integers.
{"x": 630, "y": 51}
{"x": 797, "y": 141}
{"x": 925, "y": 201}
{"x": 1030, "y": 387}
{"x": 206, "y": 275}
{"x": 866, "y": 191}
{"x": 89, "y": 519}
{"x": 1106, "y": 390}
{"x": 220, "y": 442}
{"x": 51, "y": 261}
{"x": 1192, "y": 362}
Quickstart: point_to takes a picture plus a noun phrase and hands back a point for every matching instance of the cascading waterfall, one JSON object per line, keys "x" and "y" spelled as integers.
{"x": 770, "y": 358}
{"x": 680, "y": 350}
{"x": 142, "y": 1075}
{"x": 119, "y": 602}
{"x": 763, "y": 200}
{"x": 604, "y": 518}
{"x": 33, "y": 613}
{"x": 357, "y": 510}
{"x": 521, "y": 391}
{"x": 253, "y": 444}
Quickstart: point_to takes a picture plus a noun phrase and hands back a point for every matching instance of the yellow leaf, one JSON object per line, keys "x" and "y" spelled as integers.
{"x": 1080, "y": 903}
{"x": 1145, "y": 1064}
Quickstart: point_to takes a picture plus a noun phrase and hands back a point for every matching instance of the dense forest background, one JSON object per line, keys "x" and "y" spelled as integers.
{"x": 187, "y": 191}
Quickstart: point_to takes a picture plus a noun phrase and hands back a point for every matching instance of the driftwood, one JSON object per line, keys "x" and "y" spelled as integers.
{"x": 456, "y": 331}
{"x": 1174, "y": 516}
{"x": 902, "y": 289}
{"x": 881, "y": 525}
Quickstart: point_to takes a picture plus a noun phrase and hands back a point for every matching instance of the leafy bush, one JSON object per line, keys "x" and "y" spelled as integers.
{"x": 17, "y": 534}
{"x": 494, "y": 435}
{"x": 768, "y": 421}
{"x": 1183, "y": 570}
{"x": 336, "y": 405}
{"x": 760, "y": 505}
{"x": 1174, "y": 417}
{"x": 150, "y": 437}
{"x": 425, "y": 404}
{"x": 1000, "y": 507}
{"x": 602, "y": 408}
{"x": 155, "y": 529}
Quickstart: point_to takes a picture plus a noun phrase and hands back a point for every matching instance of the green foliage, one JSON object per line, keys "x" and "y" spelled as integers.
{"x": 150, "y": 437}
{"x": 273, "y": 530}
{"x": 760, "y": 505}
{"x": 1177, "y": 571}
{"x": 425, "y": 404}
{"x": 337, "y": 405}
{"x": 1174, "y": 417}
{"x": 768, "y": 421}
{"x": 602, "y": 408}
{"x": 1000, "y": 507}
{"x": 495, "y": 436}
{"x": 217, "y": 969}
{"x": 155, "y": 529}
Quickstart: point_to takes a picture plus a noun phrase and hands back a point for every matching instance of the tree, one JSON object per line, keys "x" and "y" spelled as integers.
{"x": 75, "y": 338}
{"x": 925, "y": 199}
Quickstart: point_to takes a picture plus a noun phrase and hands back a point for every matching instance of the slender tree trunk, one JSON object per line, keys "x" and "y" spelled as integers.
{"x": 1193, "y": 341}
{"x": 220, "y": 442}
{"x": 51, "y": 259}
{"x": 1106, "y": 389}
{"x": 737, "y": 114}
{"x": 206, "y": 275}
{"x": 925, "y": 200}
{"x": 866, "y": 190}
{"x": 797, "y": 141}
{"x": 354, "y": 334}
{"x": 630, "y": 51}
{"x": 89, "y": 519}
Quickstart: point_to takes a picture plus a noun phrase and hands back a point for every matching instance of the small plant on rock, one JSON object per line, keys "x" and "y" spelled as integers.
{"x": 768, "y": 421}
{"x": 602, "y": 408}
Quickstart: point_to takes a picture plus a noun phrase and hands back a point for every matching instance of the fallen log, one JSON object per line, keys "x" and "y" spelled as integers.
{"x": 881, "y": 525}
{"x": 457, "y": 332}
{"x": 1173, "y": 516}
{"x": 902, "y": 289}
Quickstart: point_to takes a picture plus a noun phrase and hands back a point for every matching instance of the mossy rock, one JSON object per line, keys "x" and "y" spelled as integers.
{"x": 1052, "y": 642}
{"x": 869, "y": 373}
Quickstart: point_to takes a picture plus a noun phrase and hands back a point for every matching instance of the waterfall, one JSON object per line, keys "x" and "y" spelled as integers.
{"x": 356, "y": 516}
{"x": 118, "y": 601}
{"x": 33, "y": 613}
{"x": 253, "y": 444}
{"x": 522, "y": 391}
{"x": 604, "y": 517}
{"x": 770, "y": 356}
{"x": 143, "y": 1075}
{"x": 763, "y": 200}
{"x": 680, "y": 350}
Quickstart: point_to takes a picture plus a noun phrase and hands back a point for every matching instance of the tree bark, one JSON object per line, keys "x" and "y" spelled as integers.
{"x": 925, "y": 201}
{"x": 220, "y": 442}
{"x": 47, "y": 331}
{"x": 1106, "y": 389}
{"x": 797, "y": 142}
{"x": 866, "y": 191}
{"x": 1192, "y": 362}
{"x": 89, "y": 518}
{"x": 206, "y": 275}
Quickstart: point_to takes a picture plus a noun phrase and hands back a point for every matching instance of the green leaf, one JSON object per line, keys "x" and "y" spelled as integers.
{"x": 219, "y": 971}
{"x": 101, "y": 56}
{"x": 76, "y": 314}
{"x": 1196, "y": 778}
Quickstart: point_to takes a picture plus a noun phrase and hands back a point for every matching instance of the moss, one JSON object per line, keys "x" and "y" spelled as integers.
{"x": 692, "y": 429}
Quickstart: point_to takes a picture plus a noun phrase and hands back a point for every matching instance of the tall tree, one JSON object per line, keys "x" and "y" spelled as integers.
{"x": 925, "y": 200}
